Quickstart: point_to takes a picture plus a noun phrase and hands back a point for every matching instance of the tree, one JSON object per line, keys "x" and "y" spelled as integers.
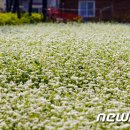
{"x": 7, "y": 5}
{"x": 16, "y": 8}
{"x": 10, "y": 5}
{"x": 30, "y": 7}
{"x": 44, "y": 9}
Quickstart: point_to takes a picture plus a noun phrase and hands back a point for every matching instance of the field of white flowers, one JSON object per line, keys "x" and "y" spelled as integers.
{"x": 61, "y": 76}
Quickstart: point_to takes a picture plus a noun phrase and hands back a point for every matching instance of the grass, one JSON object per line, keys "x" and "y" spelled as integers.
{"x": 61, "y": 76}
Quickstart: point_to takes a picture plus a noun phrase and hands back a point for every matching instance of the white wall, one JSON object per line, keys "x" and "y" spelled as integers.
{"x": 2, "y": 5}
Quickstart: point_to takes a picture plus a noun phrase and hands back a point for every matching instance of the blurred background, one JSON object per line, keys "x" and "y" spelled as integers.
{"x": 67, "y": 10}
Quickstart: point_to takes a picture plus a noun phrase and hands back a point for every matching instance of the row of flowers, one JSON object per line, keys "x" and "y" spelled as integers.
{"x": 61, "y": 76}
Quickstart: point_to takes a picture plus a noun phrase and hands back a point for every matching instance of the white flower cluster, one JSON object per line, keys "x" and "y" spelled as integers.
{"x": 61, "y": 76}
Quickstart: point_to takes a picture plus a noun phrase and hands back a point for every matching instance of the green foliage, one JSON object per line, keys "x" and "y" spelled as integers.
{"x": 11, "y": 19}
{"x": 35, "y": 18}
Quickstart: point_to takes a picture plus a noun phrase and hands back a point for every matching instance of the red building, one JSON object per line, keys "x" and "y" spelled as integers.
{"x": 97, "y": 9}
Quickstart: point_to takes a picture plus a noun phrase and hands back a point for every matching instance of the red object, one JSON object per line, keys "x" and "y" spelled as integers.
{"x": 57, "y": 14}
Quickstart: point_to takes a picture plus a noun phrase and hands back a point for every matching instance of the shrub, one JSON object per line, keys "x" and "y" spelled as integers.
{"x": 11, "y": 19}
{"x": 35, "y": 18}
{"x": 122, "y": 18}
{"x": 78, "y": 19}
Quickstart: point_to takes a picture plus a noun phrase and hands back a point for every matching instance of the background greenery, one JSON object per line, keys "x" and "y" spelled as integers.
{"x": 11, "y": 18}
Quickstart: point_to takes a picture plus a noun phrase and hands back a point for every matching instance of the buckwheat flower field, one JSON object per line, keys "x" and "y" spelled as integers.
{"x": 61, "y": 76}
